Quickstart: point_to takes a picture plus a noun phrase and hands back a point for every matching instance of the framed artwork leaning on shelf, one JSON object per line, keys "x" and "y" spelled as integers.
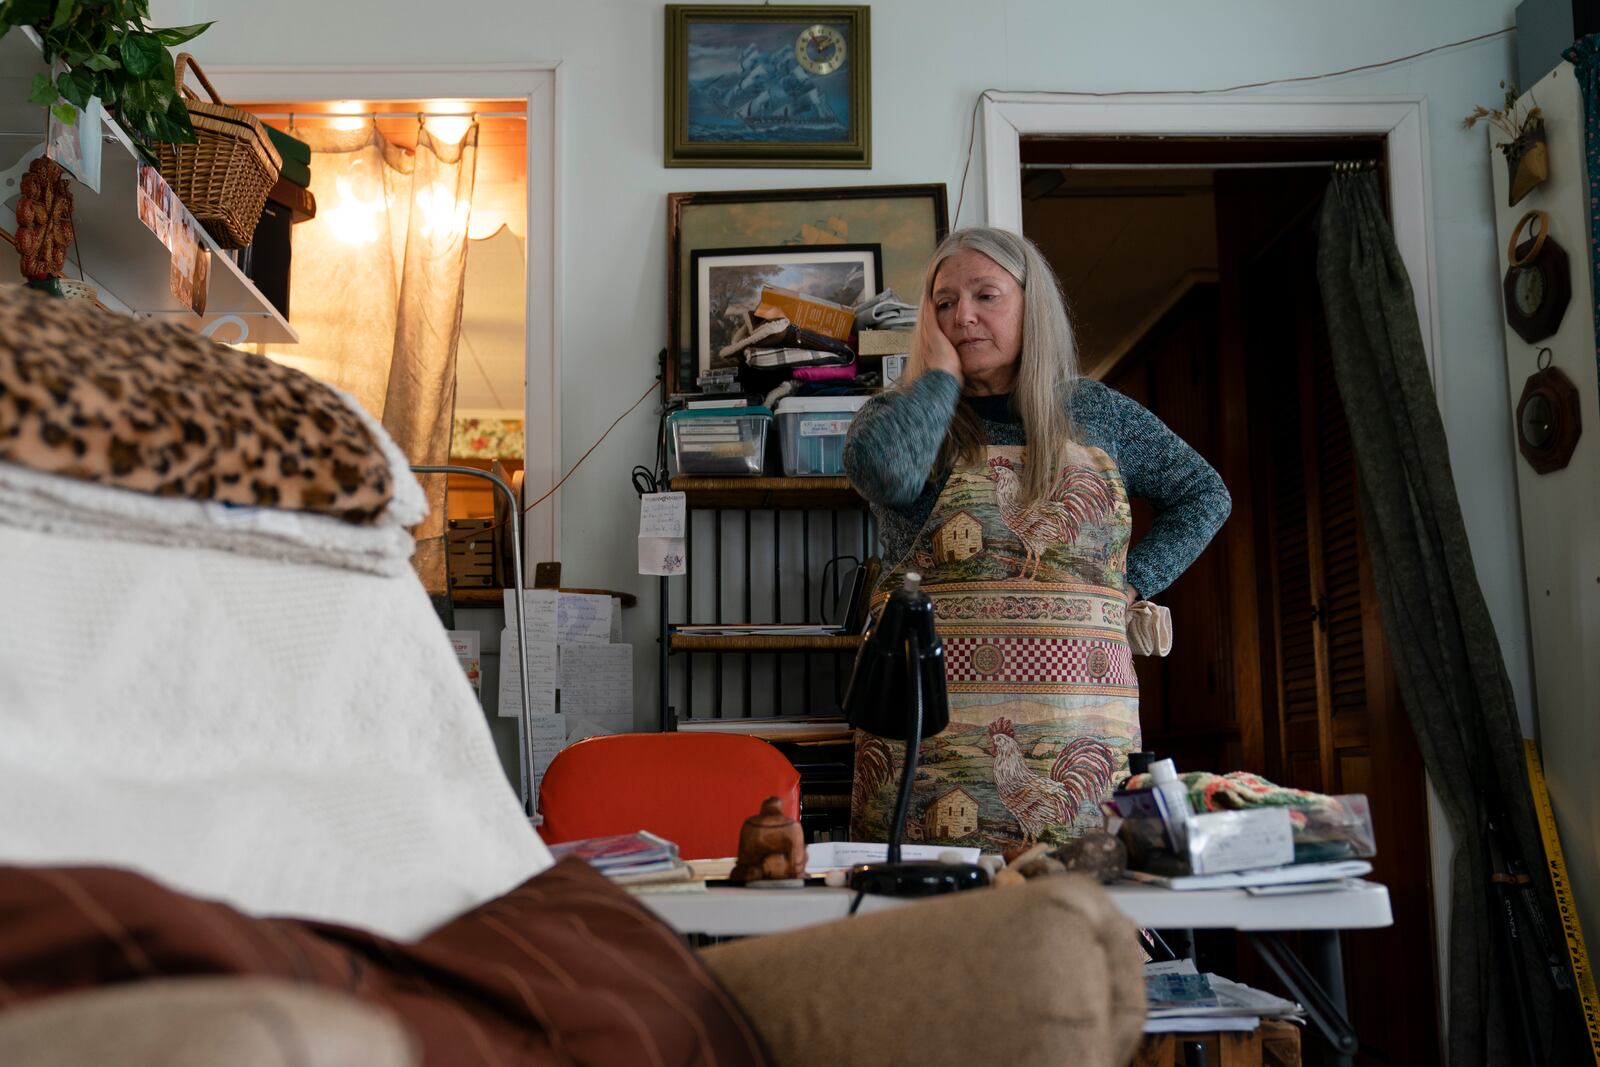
{"x": 906, "y": 221}
{"x": 768, "y": 86}
{"x": 725, "y": 287}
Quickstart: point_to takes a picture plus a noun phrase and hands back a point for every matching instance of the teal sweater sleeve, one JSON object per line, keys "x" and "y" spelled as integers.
{"x": 1190, "y": 500}
{"x": 895, "y": 438}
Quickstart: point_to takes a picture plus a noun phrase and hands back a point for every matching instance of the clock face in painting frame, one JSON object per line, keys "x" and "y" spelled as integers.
{"x": 768, "y": 85}
{"x": 1538, "y": 282}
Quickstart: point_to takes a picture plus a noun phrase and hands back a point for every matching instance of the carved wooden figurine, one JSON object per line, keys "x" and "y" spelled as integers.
{"x": 771, "y": 846}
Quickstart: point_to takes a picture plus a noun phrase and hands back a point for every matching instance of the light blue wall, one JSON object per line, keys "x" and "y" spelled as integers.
{"x": 930, "y": 59}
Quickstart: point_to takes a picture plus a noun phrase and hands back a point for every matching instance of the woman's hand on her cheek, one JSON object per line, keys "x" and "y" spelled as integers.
{"x": 932, "y": 348}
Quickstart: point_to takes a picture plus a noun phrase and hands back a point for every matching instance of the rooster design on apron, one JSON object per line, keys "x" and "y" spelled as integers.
{"x": 1044, "y": 704}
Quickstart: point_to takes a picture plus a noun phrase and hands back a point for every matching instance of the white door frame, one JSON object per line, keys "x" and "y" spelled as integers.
{"x": 1401, "y": 120}
{"x": 539, "y": 83}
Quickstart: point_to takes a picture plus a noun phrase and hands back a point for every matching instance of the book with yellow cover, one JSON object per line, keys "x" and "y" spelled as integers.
{"x": 807, "y": 312}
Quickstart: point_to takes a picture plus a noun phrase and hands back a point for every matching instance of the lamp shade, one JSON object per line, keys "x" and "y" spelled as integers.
{"x": 880, "y": 697}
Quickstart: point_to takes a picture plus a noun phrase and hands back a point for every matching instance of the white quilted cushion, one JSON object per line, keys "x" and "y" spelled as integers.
{"x": 291, "y": 738}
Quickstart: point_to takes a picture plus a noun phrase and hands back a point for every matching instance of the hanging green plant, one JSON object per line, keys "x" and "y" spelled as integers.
{"x": 111, "y": 52}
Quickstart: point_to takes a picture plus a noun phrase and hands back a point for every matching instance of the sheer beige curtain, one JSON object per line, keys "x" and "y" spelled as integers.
{"x": 376, "y": 291}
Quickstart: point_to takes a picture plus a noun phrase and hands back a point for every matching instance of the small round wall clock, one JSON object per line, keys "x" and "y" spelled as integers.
{"x": 1538, "y": 283}
{"x": 819, "y": 49}
{"x": 1548, "y": 419}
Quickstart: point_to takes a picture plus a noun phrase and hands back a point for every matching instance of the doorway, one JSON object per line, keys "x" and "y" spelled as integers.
{"x": 1189, "y": 264}
{"x": 534, "y": 87}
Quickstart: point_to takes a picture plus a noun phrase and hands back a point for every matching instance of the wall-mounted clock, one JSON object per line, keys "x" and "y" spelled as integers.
{"x": 1538, "y": 282}
{"x": 819, "y": 49}
{"x": 1548, "y": 420}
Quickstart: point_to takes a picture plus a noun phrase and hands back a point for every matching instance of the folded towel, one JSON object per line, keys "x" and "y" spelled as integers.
{"x": 55, "y": 504}
{"x": 884, "y": 311}
{"x": 295, "y": 172}
{"x": 1149, "y": 629}
{"x": 289, "y": 146}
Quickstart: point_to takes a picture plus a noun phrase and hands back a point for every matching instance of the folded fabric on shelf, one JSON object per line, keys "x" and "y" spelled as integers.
{"x": 289, "y": 146}
{"x": 781, "y": 333}
{"x": 884, "y": 311}
{"x": 295, "y": 172}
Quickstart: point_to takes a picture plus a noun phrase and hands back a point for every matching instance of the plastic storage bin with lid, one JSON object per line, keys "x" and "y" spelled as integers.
{"x": 812, "y": 431}
{"x": 718, "y": 440}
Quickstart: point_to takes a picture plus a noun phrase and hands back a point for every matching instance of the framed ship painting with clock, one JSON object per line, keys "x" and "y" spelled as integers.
{"x": 768, "y": 86}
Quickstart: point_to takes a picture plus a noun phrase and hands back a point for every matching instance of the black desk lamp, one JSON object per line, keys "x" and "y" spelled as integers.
{"x": 897, "y": 691}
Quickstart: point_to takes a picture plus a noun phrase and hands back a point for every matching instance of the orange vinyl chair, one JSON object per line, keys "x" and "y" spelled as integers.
{"x": 695, "y": 789}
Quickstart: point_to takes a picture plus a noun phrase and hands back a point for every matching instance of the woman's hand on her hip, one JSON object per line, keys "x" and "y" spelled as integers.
{"x": 930, "y": 348}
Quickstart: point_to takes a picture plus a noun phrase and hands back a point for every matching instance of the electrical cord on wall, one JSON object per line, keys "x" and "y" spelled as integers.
{"x": 655, "y": 382}
{"x": 467, "y": 535}
{"x": 986, "y": 93}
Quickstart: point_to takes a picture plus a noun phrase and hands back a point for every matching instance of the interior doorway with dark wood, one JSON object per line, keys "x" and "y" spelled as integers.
{"x": 1190, "y": 270}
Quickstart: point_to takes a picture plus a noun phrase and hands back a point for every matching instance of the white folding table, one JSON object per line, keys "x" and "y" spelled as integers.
{"x": 1319, "y": 916}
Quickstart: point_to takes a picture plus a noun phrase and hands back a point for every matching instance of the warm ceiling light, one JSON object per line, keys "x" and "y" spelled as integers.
{"x": 355, "y": 112}
{"x": 449, "y": 119}
{"x": 449, "y": 128}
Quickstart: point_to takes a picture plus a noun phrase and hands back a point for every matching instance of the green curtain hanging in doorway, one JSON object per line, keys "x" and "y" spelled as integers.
{"x": 1447, "y": 658}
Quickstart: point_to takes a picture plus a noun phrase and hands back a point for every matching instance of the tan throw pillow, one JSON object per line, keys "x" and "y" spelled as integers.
{"x": 1039, "y": 975}
{"x": 151, "y": 406}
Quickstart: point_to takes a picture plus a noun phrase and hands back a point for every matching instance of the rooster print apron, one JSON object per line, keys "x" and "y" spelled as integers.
{"x": 1044, "y": 704}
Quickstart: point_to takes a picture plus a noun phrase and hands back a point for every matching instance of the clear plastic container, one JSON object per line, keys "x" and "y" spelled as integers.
{"x": 811, "y": 431}
{"x": 718, "y": 441}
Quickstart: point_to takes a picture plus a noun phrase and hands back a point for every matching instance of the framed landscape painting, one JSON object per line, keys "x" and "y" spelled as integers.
{"x": 768, "y": 86}
{"x": 726, "y": 283}
{"x": 905, "y": 221}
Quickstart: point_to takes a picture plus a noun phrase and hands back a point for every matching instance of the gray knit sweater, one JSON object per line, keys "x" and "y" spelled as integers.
{"x": 894, "y": 441}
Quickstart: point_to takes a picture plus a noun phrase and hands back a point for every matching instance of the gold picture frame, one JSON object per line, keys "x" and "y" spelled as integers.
{"x": 768, "y": 86}
{"x": 906, "y": 221}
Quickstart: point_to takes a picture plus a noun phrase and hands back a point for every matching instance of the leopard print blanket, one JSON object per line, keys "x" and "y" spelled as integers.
{"x": 151, "y": 406}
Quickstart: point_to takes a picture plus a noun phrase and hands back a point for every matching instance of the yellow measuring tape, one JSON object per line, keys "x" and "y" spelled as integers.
{"x": 1566, "y": 907}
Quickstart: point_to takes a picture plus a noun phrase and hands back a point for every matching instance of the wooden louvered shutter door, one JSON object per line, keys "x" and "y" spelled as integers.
{"x": 1332, "y": 705}
{"x": 1322, "y": 603}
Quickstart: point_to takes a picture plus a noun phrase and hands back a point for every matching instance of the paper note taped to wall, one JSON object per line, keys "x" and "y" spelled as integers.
{"x": 583, "y": 618}
{"x": 567, "y": 618}
{"x": 596, "y": 689}
{"x": 538, "y": 612}
{"x": 543, "y": 669}
{"x": 663, "y": 528}
{"x": 547, "y": 735}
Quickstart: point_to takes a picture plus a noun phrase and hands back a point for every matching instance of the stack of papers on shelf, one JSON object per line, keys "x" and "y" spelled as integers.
{"x": 1180, "y": 1000}
{"x": 831, "y": 855}
{"x": 773, "y": 727}
{"x": 1297, "y": 877}
{"x": 799, "y": 629}
{"x": 628, "y": 859}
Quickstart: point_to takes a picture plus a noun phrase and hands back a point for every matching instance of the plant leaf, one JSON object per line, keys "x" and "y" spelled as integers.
{"x": 178, "y": 119}
{"x": 76, "y": 86}
{"x": 28, "y": 12}
{"x": 172, "y": 36}
{"x": 141, "y": 54}
{"x": 43, "y": 91}
{"x": 65, "y": 9}
{"x": 65, "y": 114}
{"x": 101, "y": 62}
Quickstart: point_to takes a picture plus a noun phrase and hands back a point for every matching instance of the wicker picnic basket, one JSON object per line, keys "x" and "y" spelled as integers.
{"x": 224, "y": 177}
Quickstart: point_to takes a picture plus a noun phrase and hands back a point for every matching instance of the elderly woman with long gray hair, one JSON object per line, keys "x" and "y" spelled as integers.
{"x": 1004, "y": 479}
